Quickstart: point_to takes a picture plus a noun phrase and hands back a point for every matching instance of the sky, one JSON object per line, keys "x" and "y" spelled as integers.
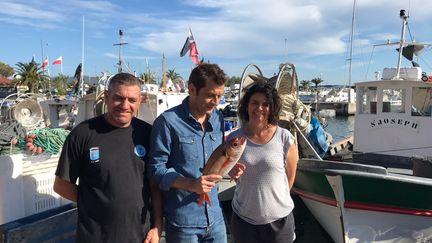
{"x": 314, "y": 35}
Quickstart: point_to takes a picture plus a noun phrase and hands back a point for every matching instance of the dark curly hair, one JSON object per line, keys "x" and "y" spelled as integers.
{"x": 205, "y": 72}
{"x": 272, "y": 96}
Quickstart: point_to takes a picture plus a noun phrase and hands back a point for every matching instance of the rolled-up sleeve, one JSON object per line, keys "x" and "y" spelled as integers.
{"x": 160, "y": 149}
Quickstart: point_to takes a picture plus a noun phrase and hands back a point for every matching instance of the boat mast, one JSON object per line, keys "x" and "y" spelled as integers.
{"x": 164, "y": 77}
{"x": 120, "y": 64}
{"x": 81, "y": 84}
{"x": 351, "y": 52}
{"x": 404, "y": 18}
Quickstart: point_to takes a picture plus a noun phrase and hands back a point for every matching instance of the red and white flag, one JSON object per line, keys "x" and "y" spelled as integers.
{"x": 58, "y": 60}
{"x": 45, "y": 63}
{"x": 190, "y": 45}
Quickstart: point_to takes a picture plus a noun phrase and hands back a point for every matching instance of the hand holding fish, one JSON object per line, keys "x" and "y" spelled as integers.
{"x": 222, "y": 160}
{"x": 237, "y": 171}
{"x": 205, "y": 183}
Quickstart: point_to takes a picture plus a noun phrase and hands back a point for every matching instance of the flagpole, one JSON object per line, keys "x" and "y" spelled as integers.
{"x": 82, "y": 62}
{"x": 163, "y": 72}
{"x": 42, "y": 56}
{"x": 48, "y": 66}
{"x": 49, "y": 78}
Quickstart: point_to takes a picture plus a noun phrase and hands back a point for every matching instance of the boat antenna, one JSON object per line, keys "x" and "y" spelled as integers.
{"x": 351, "y": 52}
{"x": 404, "y": 17}
{"x": 120, "y": 64}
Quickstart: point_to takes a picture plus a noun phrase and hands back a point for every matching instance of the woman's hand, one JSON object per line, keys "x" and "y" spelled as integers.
{"x": 237, "y": 171}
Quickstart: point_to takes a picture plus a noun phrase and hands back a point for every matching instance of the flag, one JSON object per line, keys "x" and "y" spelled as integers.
{"x": 45, "y": 63}
{"x": 58, "y": 60}
{"x": 409, "y": 51}
{"x": 78, "y": 72}
{"x": 78, "y": 76}
{"x": 190, "y": 45}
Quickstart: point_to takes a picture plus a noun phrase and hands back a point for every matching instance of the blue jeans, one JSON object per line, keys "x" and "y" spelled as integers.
{"x": 214, "y": 233}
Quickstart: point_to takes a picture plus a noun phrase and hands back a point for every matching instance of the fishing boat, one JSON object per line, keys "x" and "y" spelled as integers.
{"x": 30, "y": 209}
{"x": 385, "y": 193}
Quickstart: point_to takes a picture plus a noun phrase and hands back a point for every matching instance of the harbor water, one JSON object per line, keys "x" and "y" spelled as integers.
{"x": 340, "y": 127}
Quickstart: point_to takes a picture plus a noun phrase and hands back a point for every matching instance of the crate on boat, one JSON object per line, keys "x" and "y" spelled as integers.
{"x": 26, "y": 185}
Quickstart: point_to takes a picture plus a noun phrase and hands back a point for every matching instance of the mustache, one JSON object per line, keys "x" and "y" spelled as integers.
{"x": 123, "y": 110}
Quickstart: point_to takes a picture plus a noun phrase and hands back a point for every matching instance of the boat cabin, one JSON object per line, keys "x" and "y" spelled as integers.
{"x": 394, "y": 117}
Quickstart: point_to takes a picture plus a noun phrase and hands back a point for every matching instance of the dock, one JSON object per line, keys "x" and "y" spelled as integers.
{"x": 341, "y": 108}
{"x": 59, "y": 225}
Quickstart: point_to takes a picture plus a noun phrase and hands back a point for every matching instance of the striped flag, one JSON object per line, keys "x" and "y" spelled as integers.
{"x": 58, "y": 60}
{"x": 45, "y": 63}
{"x": 190, "y": 45}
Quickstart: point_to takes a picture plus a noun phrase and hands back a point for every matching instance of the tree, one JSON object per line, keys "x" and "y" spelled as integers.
{"x": 316, "y": 81}
{"x": 59, "y": 83}
{"x": 233, "y": 80}
{"x": 6, "y": 70}
{"x": 173, "y": 75}
{"x": 30, "y": 74}
{"x": 305, "y": 84}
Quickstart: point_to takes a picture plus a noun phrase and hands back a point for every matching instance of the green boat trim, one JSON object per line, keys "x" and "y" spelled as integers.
{"x": 363, "y": 206}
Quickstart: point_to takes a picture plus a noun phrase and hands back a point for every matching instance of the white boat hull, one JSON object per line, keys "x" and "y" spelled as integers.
{"x": 369, "y": 226}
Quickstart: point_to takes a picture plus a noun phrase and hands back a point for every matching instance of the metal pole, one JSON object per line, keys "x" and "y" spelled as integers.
{"x": 351, "y": 52}
{"x": 307, "y": 141}
{"x": 120, "y": 63}
{"x": 42, "y": 57}
{"x": 404, "y": 18}
{"x": 82, "y": 62}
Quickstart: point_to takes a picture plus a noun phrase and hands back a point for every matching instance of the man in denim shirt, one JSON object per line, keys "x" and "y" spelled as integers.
{"x": 183, "y": 138}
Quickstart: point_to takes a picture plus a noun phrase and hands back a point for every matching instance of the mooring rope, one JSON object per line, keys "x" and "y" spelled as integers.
{"x": 49, "y": 140}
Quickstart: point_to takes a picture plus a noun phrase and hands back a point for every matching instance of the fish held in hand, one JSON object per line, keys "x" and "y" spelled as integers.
{"x": 222, "y": 160}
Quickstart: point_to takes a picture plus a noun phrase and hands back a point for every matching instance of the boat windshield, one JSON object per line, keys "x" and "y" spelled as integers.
{"x": 421, "y": 101}
{"x": 393, "y": 100}
{"x": 367, "y": 99}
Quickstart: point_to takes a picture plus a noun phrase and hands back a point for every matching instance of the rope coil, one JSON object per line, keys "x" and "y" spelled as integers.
{"x": 49, "y": 140}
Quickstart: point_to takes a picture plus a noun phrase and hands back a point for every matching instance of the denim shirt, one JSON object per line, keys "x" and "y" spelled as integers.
{"x": 179, "y": 147}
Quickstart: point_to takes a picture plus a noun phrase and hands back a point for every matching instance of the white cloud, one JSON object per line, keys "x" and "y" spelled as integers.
{"x": 28, "y": 12}
{"x": 230, "y": 32}
{"x": 26, "y": 22}
{"x": 97, "y": 6}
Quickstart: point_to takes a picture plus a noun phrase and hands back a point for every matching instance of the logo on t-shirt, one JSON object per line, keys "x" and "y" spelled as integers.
{"x": 139, "y": 150}
{"x": 94, "y": 154}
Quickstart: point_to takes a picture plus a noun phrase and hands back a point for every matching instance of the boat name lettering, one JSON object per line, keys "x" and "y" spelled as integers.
{"x": 386, "y": 122}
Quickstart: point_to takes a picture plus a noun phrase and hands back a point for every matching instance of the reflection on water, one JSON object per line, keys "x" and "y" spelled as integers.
{"x": 340, "y": 127}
